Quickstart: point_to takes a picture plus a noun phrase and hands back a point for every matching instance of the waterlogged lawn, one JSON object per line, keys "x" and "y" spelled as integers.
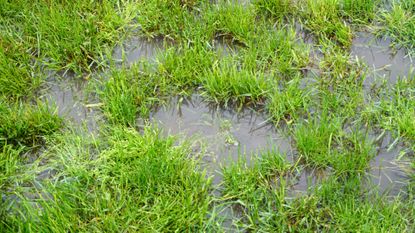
{"x": 144, "y": 169}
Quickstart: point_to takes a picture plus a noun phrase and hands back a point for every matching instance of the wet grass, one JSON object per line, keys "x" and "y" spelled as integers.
{"x": 138, "y": 181}
{"x": 399, "y": 25}
{"x": 130, "y": 176}
{"x": 26, "y": 125}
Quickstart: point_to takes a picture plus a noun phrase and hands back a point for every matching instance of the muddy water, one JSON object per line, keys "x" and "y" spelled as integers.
{"x": 68, "y": 95}
{"x": 137, "y": 48}
{"x": 388, "y": 173}
{"x": 383, "y": 62}
{"x": 224, "y": 134}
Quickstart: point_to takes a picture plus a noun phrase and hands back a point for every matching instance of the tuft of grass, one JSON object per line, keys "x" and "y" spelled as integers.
{"x": 182, "y": 67}
{"x": 26, "y": 125}
{"x": 277, "y": 51}
{"x": 287, "y": 104}
{"x": 316, "y": 137}
{"x": 10, "y": 159}
{"x": 19, "y": 76}
{"x": 322, "y": 18}
{"x": 66, "y": 34}
{"x": 359, "y": 11}
{"x": 130, "y": 92}
{"x": 242, "y": 180}
{"x": 399, "y": 25}
{"x": 397, "y": 108}
{"x": 140, "y": 182}
{"x": 257, "y": 189}
{"x": 278, "y": 9}
{"x": 234, "y": 22}
{"x": 225, "y": 83}
{"x": 166, "y": 18}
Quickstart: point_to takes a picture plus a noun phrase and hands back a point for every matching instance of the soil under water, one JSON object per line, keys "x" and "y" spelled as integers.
{"x": 137, "y": 48}
{"x": 388, "y": 173}
{"x": 224, "y": 134}
{"x": 384, "y": 64}
{"x": 68, "y": 95}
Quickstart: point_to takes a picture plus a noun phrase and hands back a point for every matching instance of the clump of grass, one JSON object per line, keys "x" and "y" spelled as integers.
{"x": 315, "y": 139}
{"x": 18, "y": 76}
{"x": 226, "y": 83}
{"x": 339, "y": 203}
{"x": 399, "y": 25}
{"x": 278, "y": 9}
{"x": 184, "y": 66}
{"x": 277, "y": 51}
{"x": 166, "y": 18}
{"x": 140, "y": 182}
{"x": 259, "y": 188}
{"x": 241, "y": 180}
{"x": 354, "y": 152}
{"x": 322, "y": 142}
{"x": 67, "y": 35}
{"x": 287, "y": 104}
{"x": 10, "y": 159}
{"x": 397, "y": 108}
{"x": 26, "y": 125}
{"x": 232, "y": 21}
{"x": 322, "y": 18}
{"x": 359, "y": 11}
{"x": 340, "y": 83}
{"x": 130, "y": 92}
{"x": 348, "y": 209}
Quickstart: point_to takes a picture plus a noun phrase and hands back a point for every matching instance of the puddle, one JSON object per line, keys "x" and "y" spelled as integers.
{"x": 382, "y": 62}
{"x": 301, "y": 183}
{"x": 68, "y": 95}
{"x": 224, "y": 47}
{"x": 138, "y": 48}
{"x": 388, "y": 172}
{"x": 224, "y": 134}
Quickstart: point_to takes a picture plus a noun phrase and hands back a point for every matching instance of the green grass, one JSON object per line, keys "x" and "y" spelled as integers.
{"x": 225, "y": 83}
{"x": 315, "y": 138}
{"x": 288, "y": 104}
{"x": 127, "y": 177}
{"x": 323, "y": 19}
{"x": 17, "y": 72}
{"x": 238, "y": 29}
{"x": 165, "y": 18}
{"x": 399, "y": 25}
{"x": 338, "y": 204}
{"x": 66, "y": 34}
{"x": 278, "y": 9}
{"x": 25, "y": 125}
{"x": 129, "y": 93}
{"x": 139, "y": 181}
{"x": 359, "y": 11}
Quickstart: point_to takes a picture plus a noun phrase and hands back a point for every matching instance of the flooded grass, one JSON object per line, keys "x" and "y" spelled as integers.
{"x": 207, "y": 116}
